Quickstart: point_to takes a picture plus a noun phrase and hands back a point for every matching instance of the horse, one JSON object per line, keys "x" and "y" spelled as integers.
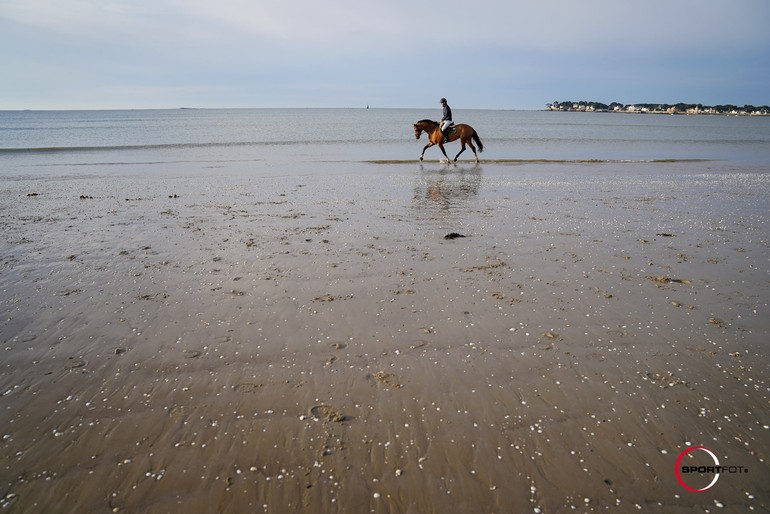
{"x": 435, "y": 137}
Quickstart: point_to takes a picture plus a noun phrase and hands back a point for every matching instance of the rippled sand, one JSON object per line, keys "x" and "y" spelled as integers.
{"x": 308, "y": 340}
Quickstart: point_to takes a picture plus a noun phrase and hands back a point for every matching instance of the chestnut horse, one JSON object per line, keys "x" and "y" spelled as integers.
{"x": 462, "y": 132}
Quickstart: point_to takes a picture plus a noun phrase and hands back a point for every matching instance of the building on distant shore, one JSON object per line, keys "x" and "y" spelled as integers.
{"x": 643, "y": 108}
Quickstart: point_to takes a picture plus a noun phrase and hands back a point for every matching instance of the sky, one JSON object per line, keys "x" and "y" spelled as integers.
{"x": 479, "y": 54}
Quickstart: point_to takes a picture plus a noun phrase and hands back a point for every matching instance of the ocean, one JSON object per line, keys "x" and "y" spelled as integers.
{"x": 42, "y": 141}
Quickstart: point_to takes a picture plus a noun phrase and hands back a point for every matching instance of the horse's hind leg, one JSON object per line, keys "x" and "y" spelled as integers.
{"x": 462, "y": 149}
{"x": 470, "y": 143}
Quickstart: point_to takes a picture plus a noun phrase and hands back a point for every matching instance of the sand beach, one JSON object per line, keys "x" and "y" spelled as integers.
{"x": 387, "y": 338}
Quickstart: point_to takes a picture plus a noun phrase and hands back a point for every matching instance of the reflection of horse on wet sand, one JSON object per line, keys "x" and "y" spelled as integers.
{"x": 462, "y": 132}
{"x": 446, "y": 190}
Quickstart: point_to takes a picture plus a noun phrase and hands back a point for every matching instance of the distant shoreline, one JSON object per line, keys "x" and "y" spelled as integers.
{"x": 644, "y": 108}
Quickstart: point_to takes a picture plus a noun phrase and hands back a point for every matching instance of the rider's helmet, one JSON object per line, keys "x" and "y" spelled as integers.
{"x": 442, "y": 101}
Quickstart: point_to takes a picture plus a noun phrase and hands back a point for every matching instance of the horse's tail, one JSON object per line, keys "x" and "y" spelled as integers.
{"x": 477, "y": 140}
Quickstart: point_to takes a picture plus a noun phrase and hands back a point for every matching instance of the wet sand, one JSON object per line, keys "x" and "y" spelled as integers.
{"x": 308, "y": 340}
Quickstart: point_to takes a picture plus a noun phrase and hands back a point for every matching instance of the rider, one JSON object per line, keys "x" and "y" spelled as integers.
{"x": 446, "y": 119}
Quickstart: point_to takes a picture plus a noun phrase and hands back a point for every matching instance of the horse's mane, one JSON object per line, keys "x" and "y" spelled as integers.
{"x": 424, "y": 121}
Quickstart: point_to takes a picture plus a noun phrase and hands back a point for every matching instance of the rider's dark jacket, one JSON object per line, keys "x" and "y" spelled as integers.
{"x": 447, "y": 113}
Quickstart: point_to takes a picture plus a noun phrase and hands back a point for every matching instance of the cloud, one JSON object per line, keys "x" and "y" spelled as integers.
{"x": 552, "y": 25}
{"x": 306, "y": 52}
{"x": 301, "y": 21}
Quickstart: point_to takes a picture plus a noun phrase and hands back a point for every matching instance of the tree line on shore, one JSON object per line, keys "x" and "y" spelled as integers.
{"x": 679, "y": 108}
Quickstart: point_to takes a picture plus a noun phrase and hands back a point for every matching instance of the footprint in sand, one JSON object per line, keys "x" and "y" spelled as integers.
{"x": 76, "y": 363}
{"x": 247, "y": 388}
{"x": 387, "y": 379}
{"x": 327, "y": 414}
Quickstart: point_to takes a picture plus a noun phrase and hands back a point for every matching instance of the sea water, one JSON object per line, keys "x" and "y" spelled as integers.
{"x": 42, "y": 141}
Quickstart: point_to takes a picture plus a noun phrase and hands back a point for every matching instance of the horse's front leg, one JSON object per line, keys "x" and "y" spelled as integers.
{"x": 441, "y": 146}
{"x": 423, "y": 150}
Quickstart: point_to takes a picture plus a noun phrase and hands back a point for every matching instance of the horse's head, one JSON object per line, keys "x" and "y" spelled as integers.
{"x": 427, "y": 126}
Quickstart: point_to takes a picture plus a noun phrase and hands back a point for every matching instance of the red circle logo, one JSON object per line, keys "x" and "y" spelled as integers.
{"x": 678, "y": 468}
